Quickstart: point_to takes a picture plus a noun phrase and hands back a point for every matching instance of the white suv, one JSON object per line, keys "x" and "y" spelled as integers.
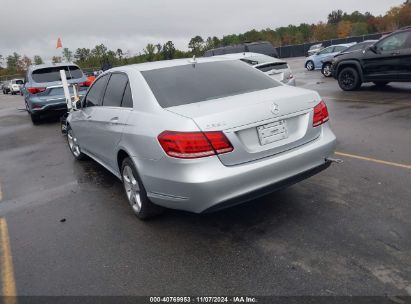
{"x": 13, "y": 86}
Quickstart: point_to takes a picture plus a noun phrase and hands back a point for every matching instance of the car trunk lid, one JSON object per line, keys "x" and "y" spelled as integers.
{"x": 258, "y": 124}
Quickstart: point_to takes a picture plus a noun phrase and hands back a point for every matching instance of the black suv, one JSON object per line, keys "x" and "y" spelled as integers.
{"x": 388, "y": 60}
{"x": 262, "y": 47}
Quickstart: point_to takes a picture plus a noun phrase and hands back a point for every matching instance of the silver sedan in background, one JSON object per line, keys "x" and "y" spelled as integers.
{"x": 200, "y": 135}
{"x": 275, "y": 68}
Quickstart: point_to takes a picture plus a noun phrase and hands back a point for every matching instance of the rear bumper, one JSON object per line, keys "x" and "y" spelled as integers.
{"x": 49, "y": 107}
{"x": 206, "y": 184}
{"x": 269, "y": 189}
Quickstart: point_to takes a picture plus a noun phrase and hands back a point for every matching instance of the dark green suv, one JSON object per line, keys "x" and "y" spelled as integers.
{"x": 388, "y": 60}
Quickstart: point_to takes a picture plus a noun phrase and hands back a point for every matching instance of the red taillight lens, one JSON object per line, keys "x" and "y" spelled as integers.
{"x": 35, "y": 90}
{"x": 194, "y": 144}
{"x": 85, "y": 84}
{"x": 320, "y": 114}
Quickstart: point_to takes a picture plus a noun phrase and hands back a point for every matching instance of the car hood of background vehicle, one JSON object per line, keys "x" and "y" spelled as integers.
{"x": 351, "y": 55}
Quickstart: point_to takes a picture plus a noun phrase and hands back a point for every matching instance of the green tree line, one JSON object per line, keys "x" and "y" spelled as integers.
{"x": 339, "y": 25}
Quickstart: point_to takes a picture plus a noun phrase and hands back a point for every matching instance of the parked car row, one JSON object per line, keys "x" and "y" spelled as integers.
{"x": 12, "y": 86}
{"x": 314, "y": 62}
{"x": 378, "y": 61}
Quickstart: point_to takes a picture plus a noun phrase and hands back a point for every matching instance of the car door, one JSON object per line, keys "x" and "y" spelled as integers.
{"x": 404, "y": 55}
{"x": 84, "y": 124}
{"x": 384, "y": 61}
{"x": 109, "y": 120}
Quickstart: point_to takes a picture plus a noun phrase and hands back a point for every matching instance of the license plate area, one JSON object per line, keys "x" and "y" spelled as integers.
{"x": 272, "y": 132}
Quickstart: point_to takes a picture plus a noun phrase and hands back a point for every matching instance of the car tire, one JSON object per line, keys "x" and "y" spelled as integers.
{"x": 349, "y": 79}
{"x": 35, "y": 118}
{"x": 310, "y": 65}
{"x": 73, "y": 145}
{"x": 381, "y": 84}
{"x": 135, "y": 192}
{"x": 326, "y": 70}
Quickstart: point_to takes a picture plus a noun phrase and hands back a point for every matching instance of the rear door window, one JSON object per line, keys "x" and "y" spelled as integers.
{"x": 115, "y": 90}
{"x": 95, "y": 94}
{"x": 127, "y": 98}
{"x": 339, "y": 48}
{"x": 52, "y": 74}
{"x": 326, "y": 51}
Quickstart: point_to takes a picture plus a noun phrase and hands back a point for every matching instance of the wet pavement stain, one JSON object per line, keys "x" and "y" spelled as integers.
{"x": 92, "y": 173}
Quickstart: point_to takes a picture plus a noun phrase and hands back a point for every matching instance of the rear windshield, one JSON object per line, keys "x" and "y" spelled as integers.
{"x": 273, "y": 66}
{"x": 18, "y": 81}
{"x": 53, "y": 73}
{"x": 191, "y": 83}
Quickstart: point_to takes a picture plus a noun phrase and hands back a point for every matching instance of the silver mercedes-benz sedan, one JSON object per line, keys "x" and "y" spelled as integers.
{"x": 200, "y": 135}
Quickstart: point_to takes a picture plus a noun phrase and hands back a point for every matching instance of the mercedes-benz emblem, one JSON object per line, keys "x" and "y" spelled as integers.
{"x": 275, "y": 109}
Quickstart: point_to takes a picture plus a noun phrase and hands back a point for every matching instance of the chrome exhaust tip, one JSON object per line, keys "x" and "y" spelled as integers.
{"x": 334, "y": 160}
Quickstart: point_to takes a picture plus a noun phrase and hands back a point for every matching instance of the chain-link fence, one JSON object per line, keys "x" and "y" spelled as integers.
{"x": 300, "y": 50}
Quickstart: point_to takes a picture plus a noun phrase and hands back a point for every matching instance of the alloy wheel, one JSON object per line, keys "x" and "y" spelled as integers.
{"x": 327, "y": 70}
{"x": 72, "y": 141}
{"x": 347, "y": 79}
{"x": 132, "y": 189}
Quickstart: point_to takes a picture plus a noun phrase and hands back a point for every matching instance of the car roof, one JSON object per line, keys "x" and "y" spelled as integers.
{"x": 147, "y": 66}
{"x": 50, "y": 65}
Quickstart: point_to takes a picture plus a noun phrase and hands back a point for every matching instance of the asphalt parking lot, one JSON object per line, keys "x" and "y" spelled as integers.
{"x": 346, "y": 231}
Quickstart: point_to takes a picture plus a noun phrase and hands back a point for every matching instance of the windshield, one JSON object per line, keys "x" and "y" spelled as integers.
{"x": 192, "y": 83}
{"x": 52, "y": 74}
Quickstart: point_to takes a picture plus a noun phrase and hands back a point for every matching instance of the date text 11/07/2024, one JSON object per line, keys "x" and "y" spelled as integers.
{"x": 239, "y": 299}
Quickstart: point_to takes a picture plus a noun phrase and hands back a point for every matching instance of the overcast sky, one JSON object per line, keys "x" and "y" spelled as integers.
{"x": 32, "y": 27}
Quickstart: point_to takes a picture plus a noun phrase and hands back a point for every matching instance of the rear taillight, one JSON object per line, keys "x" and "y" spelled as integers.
{"x": 85, "y": 84}
{"x": 194, "y": 144}
{"x": 35, "y": 90}
{"x": 320, "y": 114}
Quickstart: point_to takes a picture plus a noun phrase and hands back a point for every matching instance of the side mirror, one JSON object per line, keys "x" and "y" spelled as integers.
{"x": 373, "y": 48}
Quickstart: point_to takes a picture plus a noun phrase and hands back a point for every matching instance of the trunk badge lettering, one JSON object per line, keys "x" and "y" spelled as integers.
{"x": 275, "y": 109}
